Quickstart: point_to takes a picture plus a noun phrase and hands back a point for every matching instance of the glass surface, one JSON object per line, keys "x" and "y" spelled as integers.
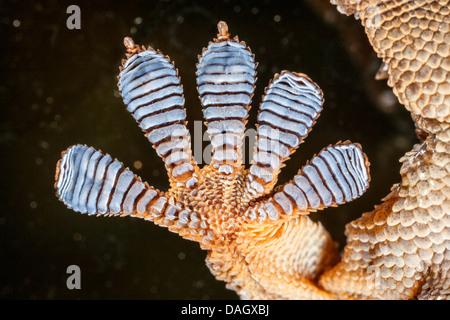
{"x": 58, "y": 87}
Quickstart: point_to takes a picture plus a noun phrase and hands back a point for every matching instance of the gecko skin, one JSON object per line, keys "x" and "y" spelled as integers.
{"x": 401, "y": 249}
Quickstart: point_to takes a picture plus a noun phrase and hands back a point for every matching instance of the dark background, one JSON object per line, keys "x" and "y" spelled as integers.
{"x": 58, "y": 87}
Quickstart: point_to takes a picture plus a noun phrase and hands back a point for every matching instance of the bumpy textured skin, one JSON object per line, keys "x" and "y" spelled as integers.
{"x": 259, "y": 238}
{"x": 401, "y": 249}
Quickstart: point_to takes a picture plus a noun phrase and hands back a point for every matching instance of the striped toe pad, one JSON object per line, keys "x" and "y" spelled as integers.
{"x": 289, "y": 109}
{"x": 88, "y": 181}
{"x": 226, "y": 78}
{"x": 338, "y": 174}
{"x": 151, "y": 89}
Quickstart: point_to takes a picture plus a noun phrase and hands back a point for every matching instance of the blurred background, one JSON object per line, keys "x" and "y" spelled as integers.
{"x": 58, "y": 87}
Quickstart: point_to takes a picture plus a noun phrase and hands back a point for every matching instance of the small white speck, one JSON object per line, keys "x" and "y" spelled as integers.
{"x": 44, "y": 144}
{"x": 137, "y": 164}
{"x": 199, "y": 284}
{"x": 77, "y": 237}
{"x": 277, "y": 18}
{"x": 16, "y": 23}
{"x": 138, "y": 20}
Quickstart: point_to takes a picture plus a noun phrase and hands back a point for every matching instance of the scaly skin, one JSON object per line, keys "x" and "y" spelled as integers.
{"x": 401, "y": 249}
